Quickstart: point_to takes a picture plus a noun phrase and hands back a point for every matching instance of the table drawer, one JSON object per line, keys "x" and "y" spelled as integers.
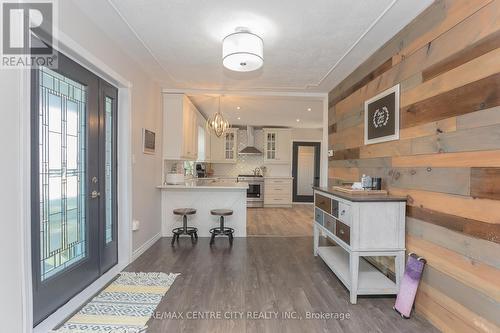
{"x": 343, "y": 232}
{"x": 318, "y": 216}
{"x": 329, "y": 223}
{"x": 344, "y": 213}
{"x": 324, "y": 203}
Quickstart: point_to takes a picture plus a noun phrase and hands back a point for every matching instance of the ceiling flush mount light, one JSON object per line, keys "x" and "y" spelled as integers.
{"x": 237, "y": 108}
{"x": 217, "y": 124}
{"x": 309, "y": 109}
{"x": 242, "y": 51}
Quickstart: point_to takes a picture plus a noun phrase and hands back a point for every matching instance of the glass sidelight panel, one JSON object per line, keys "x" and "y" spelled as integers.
{"x": 108, "y": 168}
{"x": 62, "y": 172}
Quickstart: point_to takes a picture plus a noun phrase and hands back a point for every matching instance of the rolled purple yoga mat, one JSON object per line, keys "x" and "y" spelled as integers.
{"x": 409, "y": 285}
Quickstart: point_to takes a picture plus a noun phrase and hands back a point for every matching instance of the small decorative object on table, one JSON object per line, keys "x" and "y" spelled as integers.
{"x": 409, "y": 284}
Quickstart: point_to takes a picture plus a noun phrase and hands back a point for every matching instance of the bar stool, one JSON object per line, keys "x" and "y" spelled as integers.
{"x": 184, "y": 230}
{"x": 221, "y": 230}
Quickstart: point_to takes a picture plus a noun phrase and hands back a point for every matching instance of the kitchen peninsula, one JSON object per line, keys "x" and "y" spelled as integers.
{"x": 205, "y": 195}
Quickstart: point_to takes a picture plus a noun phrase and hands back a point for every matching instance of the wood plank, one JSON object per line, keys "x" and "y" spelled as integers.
{"x": 351, "y": 137}
{"x": 385, "y": 66}
{"x": 476, "y": 209}
{"x": 478, "y": 95}
{"x": 470, "y": 298}
{"x": 449, "y": 315}
{"x": 476, "y": 27}
{"x": 481, "y": 118}
{"x": 475, "y": 248}
{"x": 485, "y": 183}
{"x": 474, "y": 70}
{"x": 346, "y": 154}
{"x": 472, "y": 51}
{"x": 474, "y": 228}
{"x": 445, "y": 320}
{"x": 345, "y": 174}
{"x": 380, "y": 162}
{"x": 435, "y": 127}
{"x": 433, "y": 21}
{"x": 472, "y": 273}
{"x": 450, "y": 14}
{"x": 392, "y": 148}
{"x": 482, "y": 138}
{"x": 445, "y": 180}
{"x": 465, "y": 159}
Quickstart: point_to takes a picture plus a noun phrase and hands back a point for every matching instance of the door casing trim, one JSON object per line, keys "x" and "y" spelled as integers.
{"x": 85, "y": 58}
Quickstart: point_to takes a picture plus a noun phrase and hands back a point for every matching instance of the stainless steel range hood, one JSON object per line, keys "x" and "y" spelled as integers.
{"x": 250, "y": 148}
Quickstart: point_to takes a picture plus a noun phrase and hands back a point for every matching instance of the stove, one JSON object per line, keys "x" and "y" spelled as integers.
{"x": 255, "y": 192}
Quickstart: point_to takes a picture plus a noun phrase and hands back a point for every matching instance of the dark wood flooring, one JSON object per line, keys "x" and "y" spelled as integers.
{"x": 268, "y": 274}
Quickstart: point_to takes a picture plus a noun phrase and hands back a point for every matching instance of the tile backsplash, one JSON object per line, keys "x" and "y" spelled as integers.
{"x": 247, "y": 163}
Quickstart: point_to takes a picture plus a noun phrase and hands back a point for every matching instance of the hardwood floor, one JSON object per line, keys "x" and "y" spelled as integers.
{"x": 263, "y": 274}
{"x": 284, "y": 222}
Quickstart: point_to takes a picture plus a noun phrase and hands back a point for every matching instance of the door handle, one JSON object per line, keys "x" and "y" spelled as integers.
{"x": 94, "y": 194}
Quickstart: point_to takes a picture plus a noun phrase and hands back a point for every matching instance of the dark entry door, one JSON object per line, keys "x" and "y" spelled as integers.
{"x": 305, "y": 170}
{"x": 73, "y": 173}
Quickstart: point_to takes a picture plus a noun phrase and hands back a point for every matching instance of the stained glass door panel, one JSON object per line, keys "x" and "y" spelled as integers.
{"x": 62, "y": 131}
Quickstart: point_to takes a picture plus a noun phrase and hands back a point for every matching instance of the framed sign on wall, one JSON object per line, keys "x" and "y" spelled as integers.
{"x": 382, "y": 117}
{"x": 148, "y": 141}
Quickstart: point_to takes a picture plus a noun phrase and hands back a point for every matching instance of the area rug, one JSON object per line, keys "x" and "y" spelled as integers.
{"x": 125, "y": 306}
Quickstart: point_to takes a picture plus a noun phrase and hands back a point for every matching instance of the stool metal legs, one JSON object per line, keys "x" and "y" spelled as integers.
{"x": 184, "y": 230}
{"x": 221, "y": 230}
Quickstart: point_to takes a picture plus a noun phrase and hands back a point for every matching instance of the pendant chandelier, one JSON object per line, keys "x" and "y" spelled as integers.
{"x": 217, "y": 124}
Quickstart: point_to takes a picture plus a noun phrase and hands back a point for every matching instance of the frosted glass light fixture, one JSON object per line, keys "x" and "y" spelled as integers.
{"x": 242, "y": 51}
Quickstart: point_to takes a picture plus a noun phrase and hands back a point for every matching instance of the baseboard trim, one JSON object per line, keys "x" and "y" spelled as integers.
{"x": 144, "y": 247}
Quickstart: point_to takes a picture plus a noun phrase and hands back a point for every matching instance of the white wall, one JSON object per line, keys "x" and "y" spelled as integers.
{"x": 146, "y": 112}
{"x": 307, "y": 134}
{"x": 11, "y": 315}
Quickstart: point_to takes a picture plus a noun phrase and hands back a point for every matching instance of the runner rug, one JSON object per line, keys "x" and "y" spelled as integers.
{"x": 125, "y": 306}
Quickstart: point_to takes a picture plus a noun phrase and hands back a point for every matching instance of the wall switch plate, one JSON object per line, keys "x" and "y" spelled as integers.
{"x": 135, "y": 225}
{"x": 330, "y": 153}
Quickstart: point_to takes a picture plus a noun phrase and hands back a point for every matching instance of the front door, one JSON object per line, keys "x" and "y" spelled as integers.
{"x": 73, "y": 170}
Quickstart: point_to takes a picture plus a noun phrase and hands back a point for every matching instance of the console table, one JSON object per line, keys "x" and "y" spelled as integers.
{"x": 362, "y": 225}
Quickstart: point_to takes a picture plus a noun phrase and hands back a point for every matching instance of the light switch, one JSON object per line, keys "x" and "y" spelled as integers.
{"x": 135, "y": 225}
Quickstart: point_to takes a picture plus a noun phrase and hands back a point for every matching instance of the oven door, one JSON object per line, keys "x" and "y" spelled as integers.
{"x": 254, "y": 192}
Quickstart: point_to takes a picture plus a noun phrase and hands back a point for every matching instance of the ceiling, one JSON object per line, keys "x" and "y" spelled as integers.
{"x": 309, "y": 46}
{"x": 262, "y": 111}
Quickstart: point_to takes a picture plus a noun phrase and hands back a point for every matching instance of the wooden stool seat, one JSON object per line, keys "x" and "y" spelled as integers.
{"x": 184, "y": 211}
{"x": 221, "y": 212}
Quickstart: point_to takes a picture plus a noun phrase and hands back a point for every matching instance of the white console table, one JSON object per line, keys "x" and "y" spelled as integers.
{"x": 365, "y": 225}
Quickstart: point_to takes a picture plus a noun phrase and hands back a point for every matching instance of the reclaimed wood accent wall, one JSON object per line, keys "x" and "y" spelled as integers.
{"x": 447, "y": 160}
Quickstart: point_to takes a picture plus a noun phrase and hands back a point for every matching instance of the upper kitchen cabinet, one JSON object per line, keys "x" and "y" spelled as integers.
{"x": 224, "y": 149}
{"x": 204, "y": 147}
{"x": 180, "y": 128}
{"x": 277, "y": 145}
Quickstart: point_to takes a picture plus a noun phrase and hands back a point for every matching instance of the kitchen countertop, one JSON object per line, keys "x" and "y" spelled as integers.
{"x": 278, "y": 177}
{"x": 212, "y": 183}
{"x": 359, "y": 197}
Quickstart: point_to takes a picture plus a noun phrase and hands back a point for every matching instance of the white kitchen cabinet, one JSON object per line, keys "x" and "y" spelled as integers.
{"x": 180, "y": 128}
{"x": 277, "y": 192}
{"x": 225, "y": 148}
{"x": 277, "y": 145}
{"x": 204, "y": 147}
